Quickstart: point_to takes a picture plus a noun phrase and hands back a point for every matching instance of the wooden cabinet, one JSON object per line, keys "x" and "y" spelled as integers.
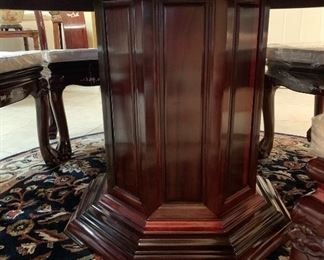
{"x": 181, "y": 84}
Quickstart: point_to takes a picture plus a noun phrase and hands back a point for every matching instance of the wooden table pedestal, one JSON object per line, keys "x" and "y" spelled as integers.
{"x": 181, "y": 85}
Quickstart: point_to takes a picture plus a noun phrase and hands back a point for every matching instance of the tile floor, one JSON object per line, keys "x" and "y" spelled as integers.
{"x": 84, "y": 113}
{"x": 18, "y": 121}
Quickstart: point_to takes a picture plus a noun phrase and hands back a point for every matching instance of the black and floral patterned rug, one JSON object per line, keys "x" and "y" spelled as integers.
{"x": 36, "y": 202}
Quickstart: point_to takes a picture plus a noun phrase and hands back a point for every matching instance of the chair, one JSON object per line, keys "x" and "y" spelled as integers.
{"x": 300, "y": 69}
{"x": 65, "y": 67}
{"x": 20, "y": 76}
{"x": 69, "y": 67}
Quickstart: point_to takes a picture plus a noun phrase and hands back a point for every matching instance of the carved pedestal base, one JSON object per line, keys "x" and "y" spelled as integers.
{"x": 181, "y": 91}
{"x": 251, "y": 231}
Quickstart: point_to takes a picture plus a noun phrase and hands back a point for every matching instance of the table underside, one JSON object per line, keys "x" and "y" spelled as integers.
{"x": 87, "y": 5}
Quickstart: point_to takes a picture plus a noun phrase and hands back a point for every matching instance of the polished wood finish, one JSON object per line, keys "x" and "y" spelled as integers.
{"x": 25, "y": 34}
{"x": 17, "y": 85}
{"x": 181, "y": 143}
{"x": 74, "y": 27}
{"x": 307, "y": 232}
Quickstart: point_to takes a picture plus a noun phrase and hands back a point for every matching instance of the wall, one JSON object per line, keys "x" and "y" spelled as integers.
{"x": 296, "y": 26}
{"x": 91, "y": 29}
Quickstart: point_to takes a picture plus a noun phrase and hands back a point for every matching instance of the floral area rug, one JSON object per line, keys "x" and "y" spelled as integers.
{"x": 286, "y": 169}
{"x": 36, "y": 202}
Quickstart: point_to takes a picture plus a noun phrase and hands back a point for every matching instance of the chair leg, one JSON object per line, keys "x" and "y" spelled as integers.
{"x": 318, "y": 105}
{"x": 50, "y": 155}
{"x": 52, "y": 125}
{"x": 265, "y": 146}
{"x": 56, "y": 100}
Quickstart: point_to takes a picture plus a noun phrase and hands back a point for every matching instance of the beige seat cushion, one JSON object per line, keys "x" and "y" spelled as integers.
{"x": 18, "y": 60}
{"x": 68, "y": 55}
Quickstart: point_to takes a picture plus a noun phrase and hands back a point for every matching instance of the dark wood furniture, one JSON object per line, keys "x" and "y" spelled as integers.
{"x": 306, "y": 76}
{"x": 299, "y": 69}
{"x": 57, "y": 29}
{"x": 66, "y": 67}
{"x": 17, "y": 85}
{"x": 74, "y": 27}
{"x": 41, "y": 30}
{"x": 150, "y": 177}
{"x": 181, "y": 145}
{"x": 307, "y": 232}
{"x": 25, "y": 34}
{"x": 62, "y": 74}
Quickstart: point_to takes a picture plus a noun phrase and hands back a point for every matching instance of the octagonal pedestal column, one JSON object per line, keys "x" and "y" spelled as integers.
{"x": 181, "y": 85}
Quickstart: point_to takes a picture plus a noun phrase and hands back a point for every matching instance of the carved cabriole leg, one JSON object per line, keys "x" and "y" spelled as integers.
{"x": 56, "y": 99}
{"x": 40, "y": 95}
{"x": 266, "y": 143}
{"x": 52, "y": 125}
{"x": 307, "y": 232}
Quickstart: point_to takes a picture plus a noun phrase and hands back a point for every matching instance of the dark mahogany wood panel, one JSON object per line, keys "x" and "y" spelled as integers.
{"x": 243, "y": 84}
{"x": 183, "y": 59}
{"x": 150, "y": 188}
{"x": 170, "y": 82}
{"x": 124, "y": 99}
{"x": 136, "y": 164}
{"x": 75, "y": 31}
{"x": 220, "y": 45}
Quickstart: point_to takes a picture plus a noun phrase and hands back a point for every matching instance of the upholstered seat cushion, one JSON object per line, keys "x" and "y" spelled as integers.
{"x": 18, "y": 60}
{"x": 68, "y": 55}
{"x": 307, "y": 54}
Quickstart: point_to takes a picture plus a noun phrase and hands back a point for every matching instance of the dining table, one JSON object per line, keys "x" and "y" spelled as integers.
{"x": 181, "y": 84}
